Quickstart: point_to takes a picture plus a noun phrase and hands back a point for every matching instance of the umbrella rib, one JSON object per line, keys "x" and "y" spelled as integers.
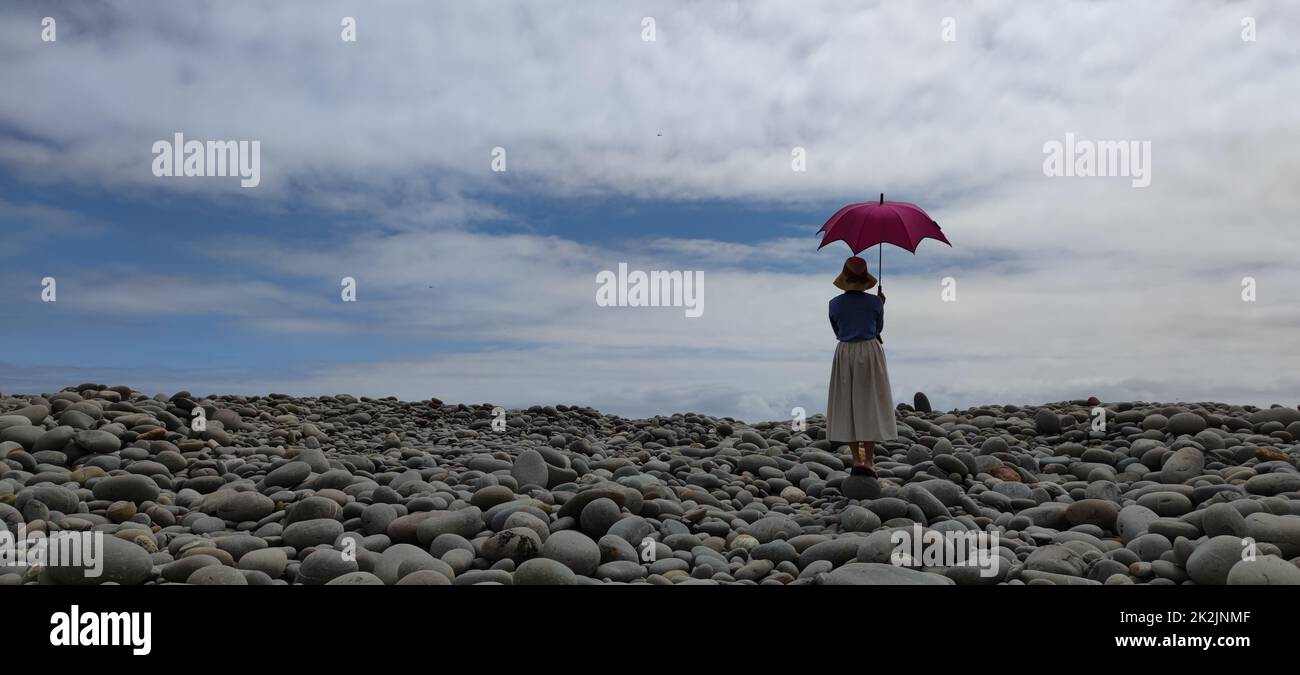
{"x": 907, "y": 232}
{"x": 857, "y": 231}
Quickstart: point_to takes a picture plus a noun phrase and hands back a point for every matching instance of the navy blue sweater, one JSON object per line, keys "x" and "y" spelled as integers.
{"x": 856, "y": 315}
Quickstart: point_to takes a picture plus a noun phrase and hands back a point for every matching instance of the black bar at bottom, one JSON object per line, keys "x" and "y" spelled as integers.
{"x": 302, "y": 625}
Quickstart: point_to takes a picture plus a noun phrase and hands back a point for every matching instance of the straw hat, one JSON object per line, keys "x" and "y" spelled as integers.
{"x": 854, "y": 276}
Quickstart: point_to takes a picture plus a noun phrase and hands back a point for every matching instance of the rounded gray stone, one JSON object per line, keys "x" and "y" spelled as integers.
{"x": 1183, "y": 465}
{"x": 123, "y": 562}
{"x": 466, "y": 522}
{"x": 1047, "y": 422}
{"x": 769, "y": 528}
{"x": 56, "y": 498}
{"x": 529, "y": 468}
{"x": 858, "y": 519}
{"x": 544, "y": 572}
{"x": 449, "y": 542}
{"x": 598, "y": 516}
{"x": 314, "y": 532}
{"x": 314, "y": 507}
{"x": 574, "y": 550}
{"x": 1056, "y": 559}
{"x": 413, "y": 564}
{"x": 837, "y": 551}
{"x": 325, "y": 565}
{"x": 517, "y": 544}
{"x": 1281, "y": 531}
{"x": 270, "y": 561}
{"x": 882, "y": 574}
{"x": 1269, "y": 484}
{"x": 127, "y": 487}
{"x": 1267, "y": 570}
{"x": 1210, "y": 563}
{"x": 1133, "y": 521}
{"x": 217, "y": 575}
{"x": 424, "y": 578}
{"x": 98, "y": 441}
{"x": 860, "y": 487}
{"x": 180, "y": 570}
{"x": 390, "y": 561}
{"x": 1185, "y": 423}
{"x": 1166, "y": 503}
{"x": 288, "y": 475}
{"x": 1097, "y": 512}
{"x": 245, "y": 506}
{"x": 355, "y": 579}
{"x": 1223, "y": 519}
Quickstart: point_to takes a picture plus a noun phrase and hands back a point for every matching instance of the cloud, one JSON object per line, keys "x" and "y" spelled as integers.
{"x": 28, "y": 223}
{"x": 1041, "y": 331}
{"x": 579, "y": 100}
{"x": 1066, "y": 286}
{"x": 121, "y": 291}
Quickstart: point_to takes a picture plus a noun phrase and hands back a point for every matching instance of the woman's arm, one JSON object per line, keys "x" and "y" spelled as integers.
{"x": 835, "y": 327}
{"x": 880, "y": 315}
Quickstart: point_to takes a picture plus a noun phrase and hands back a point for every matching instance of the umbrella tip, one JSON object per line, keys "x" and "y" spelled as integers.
{"x": 882, "y": 199}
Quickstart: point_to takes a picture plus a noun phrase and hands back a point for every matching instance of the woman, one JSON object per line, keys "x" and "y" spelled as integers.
{"x": 860, "y": 411}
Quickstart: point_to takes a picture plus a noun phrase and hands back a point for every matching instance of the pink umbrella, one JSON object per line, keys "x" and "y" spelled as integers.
{"x": 868, "y": 224}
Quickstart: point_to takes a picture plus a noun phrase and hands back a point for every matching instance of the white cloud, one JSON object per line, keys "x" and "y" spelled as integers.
{"x": 578, "y": 99}
{"x": 1066, "y": 286}
{"x": 1046, "y": 329}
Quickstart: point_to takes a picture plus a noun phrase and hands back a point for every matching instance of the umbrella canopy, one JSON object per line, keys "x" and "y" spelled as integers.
{"x": 868, "y": 224}
{"x": 864, "y": 225}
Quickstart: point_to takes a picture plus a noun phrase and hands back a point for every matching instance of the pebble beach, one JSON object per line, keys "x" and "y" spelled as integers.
{"x": 344, "y": 490}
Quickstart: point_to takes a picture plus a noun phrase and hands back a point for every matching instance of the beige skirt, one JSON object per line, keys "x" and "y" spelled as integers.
{"x": 860, "y": 406}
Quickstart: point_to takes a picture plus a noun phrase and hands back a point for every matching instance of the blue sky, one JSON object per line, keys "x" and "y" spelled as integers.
{"x": 169, "y": 238}
{"x": 674, "y": 154}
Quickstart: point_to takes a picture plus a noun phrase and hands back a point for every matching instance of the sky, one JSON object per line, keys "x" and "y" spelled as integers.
{"x": 674, "y": 153}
